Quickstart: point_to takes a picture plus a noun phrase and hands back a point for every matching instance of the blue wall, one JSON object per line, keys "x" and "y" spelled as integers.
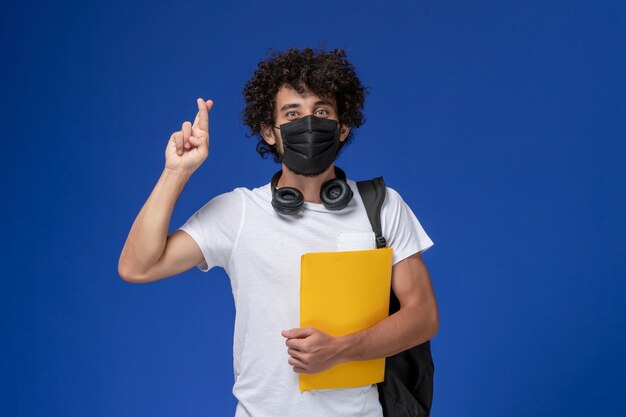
{"x": 501, "y": 123}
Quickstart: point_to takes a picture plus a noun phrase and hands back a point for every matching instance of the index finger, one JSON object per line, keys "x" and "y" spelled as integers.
{"x": 294, "y": 343}
{"x": 202, "y": 118}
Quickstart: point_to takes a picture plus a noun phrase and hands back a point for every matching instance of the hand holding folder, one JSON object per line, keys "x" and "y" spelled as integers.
{"x": 342, "y": 293}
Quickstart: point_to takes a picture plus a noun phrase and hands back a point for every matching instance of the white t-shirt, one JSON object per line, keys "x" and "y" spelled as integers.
{"x": 260, "y": 251}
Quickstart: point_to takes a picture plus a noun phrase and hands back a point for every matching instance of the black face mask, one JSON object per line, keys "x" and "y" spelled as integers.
{"x": 310, "y": 144}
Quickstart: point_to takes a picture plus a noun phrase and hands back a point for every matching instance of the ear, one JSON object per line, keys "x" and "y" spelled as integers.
{"x": 345, "y": 130}
{"x": 268, "y": 134}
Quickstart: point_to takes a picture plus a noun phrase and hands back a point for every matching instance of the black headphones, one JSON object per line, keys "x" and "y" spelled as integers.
{"x": 335, "y": 194}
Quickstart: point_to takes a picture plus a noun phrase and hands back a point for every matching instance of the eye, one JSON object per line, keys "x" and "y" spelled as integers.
{"x": 292, "y": 114}
{"x": 322, "y": 111}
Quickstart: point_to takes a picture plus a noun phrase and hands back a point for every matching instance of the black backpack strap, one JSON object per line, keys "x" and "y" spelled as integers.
{"x": 373, "y": 194}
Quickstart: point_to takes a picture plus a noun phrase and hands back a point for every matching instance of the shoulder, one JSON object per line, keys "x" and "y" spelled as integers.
{"x": 393, "y": 199}
{"x": 232, "y": 196}
{"x": 392, "y": 194}
{"x": 260, "y": 195}
{"x": 234, "y": 201}
{"x": 395, "y": 205}
{"x": 392, "y": 202}
{"x": 229, "y": 200}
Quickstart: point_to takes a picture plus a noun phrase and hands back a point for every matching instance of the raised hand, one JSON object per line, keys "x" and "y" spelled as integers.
{"x": 189, "y": 147}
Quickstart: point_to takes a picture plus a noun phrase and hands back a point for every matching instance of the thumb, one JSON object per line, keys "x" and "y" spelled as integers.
{"x": 297, "y": 333}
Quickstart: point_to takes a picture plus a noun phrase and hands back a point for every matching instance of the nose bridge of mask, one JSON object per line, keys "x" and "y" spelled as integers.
{"x": 314, "y": 123}
{"x": 310, "y": 123}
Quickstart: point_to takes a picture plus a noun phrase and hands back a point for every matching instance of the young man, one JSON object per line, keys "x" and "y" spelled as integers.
{"x": 303, "y": 105}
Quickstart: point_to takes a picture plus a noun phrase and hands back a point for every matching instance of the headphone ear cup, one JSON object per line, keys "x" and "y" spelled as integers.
{"x": 287, "y": 200}
{"x": 336, "y": 194}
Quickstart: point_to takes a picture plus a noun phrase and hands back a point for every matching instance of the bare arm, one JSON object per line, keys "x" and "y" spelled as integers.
{"x": 416, "y": 322}
{"x": 148, "y": 241}
{"x": 149, "y": 253}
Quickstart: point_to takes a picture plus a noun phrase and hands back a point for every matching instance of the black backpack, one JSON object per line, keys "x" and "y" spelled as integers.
{"x": 407, "y": 390}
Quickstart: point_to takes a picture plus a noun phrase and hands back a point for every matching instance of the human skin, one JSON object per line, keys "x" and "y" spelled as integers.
{"x": 149, "y": 254}
{"x": 290, "y": 106}
{"x": 311, "y": 350}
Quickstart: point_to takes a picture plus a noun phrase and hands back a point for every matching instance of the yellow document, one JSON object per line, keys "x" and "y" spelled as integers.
{"x": 342, "y": 293}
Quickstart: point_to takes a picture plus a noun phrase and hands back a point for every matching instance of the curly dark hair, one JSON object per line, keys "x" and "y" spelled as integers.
{"x": 326, "y": 74}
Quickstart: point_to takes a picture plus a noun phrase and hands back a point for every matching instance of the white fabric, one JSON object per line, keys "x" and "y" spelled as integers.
{"x": 260, "y": 251}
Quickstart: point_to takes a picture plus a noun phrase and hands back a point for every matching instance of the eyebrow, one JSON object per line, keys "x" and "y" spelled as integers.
{"x": 289, "y": 106}
{"x": 296, "y": 105}
{"x": 322, "y": 102}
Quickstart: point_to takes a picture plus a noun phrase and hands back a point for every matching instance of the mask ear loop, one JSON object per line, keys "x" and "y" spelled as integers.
{"x": 339, "y": 125}
{"x": 285, "y": 200}
{"x": 275, "y": 145}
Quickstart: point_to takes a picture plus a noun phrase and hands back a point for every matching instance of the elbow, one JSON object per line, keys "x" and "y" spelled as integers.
{"x": 429, "y": 327}
{"x": 127, "y": 275}
{"x": 428, "y": 331}
{"x": 434, "y": 323}
{"x": 434, "y": 326}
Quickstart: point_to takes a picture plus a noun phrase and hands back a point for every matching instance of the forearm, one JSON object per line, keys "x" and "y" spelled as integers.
{"x": 148, "y": 235}
{"x": 408, "y": 327}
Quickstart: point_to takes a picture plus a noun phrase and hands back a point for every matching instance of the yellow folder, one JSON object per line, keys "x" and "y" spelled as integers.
{"x": 342, "y": 293}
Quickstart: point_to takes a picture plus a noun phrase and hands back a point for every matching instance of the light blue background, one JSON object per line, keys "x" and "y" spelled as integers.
{"x": 501, "y": 123}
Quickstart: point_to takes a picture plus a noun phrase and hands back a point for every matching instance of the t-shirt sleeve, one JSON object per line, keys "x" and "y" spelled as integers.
{"x": 215, "y": 228}
{"x": 404, "y": 233}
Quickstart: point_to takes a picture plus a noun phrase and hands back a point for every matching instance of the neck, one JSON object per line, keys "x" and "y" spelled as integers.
{"x": 309, "y": 186}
